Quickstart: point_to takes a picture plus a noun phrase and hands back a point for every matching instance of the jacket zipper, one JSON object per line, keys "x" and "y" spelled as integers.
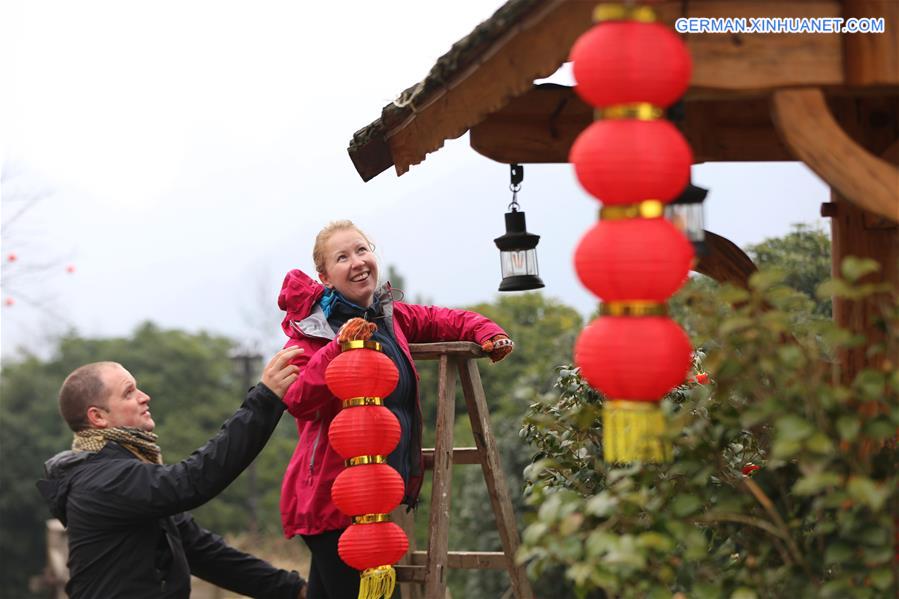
{"x": 318, "y": 436}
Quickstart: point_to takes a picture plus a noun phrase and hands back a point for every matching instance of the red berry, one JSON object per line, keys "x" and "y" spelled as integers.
{"x": 750, "y": 468}
{"x": 701, "y": 379}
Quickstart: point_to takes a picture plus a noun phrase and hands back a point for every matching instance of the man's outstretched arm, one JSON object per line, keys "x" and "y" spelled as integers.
{"x": 215, "y": 561}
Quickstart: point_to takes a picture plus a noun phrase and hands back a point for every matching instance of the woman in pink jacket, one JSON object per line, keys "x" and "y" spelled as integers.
{"x": 348, "y": 271}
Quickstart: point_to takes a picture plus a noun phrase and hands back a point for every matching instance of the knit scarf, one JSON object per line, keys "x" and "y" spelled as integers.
{"x": 141, "y": 443}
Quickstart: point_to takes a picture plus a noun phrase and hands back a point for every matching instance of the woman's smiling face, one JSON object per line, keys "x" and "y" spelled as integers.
{"x": 350, "y": 266}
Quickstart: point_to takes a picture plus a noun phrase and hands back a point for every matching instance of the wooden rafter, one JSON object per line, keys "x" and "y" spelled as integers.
{"x": 811, "y": 132}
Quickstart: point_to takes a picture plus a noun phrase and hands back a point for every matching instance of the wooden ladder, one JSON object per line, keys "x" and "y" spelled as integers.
{"x": 429, "y": 568}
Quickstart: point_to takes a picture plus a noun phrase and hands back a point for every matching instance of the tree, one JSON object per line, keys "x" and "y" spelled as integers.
{"x": 804, "y": 256}
{"x": 193, "y": 387}
{"x": 28, "y": 263}
{"x": 817, "y": 518}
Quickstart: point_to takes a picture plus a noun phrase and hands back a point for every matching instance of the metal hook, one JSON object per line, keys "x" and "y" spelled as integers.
{"x": 516, "y": 176}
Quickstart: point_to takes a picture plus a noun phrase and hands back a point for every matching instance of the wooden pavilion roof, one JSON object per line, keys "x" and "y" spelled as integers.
{"x": 484, "y": 84}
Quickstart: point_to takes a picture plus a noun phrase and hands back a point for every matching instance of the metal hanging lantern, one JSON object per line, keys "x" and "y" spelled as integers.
{"x": 517, "y": 247}
{"x": 686, "y": 213}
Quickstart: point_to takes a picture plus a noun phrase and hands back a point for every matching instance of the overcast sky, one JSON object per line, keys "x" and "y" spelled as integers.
{"x": 186, "y": 154}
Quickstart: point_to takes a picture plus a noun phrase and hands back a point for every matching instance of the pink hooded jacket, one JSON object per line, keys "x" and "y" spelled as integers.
{"x": 306, "y": 506}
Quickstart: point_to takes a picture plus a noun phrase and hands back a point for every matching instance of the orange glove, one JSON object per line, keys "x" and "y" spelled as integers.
{"x": 356, "y": 329}
{"x": 498, "y": 347}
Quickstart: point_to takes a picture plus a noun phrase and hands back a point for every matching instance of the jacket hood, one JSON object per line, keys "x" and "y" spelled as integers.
{"x": 55, "y": 487}
{"x": 299, "y": 294}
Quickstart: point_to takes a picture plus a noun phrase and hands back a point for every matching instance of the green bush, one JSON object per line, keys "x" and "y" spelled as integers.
{"x": 816, "y": 520}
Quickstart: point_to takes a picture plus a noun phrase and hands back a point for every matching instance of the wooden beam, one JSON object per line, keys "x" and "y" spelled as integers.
{"x": 872, "y": 59}
{"x": 725, "y": 262}
{"x": 814, "y": 136}
{"x": 541, "y": 125}
{"x": 741, "y": 62}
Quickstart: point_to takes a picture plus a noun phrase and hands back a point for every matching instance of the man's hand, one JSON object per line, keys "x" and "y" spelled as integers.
{"x": 279, "y": 373}
{"x": 356, "y": 329}
{"x": 498, "y": 347}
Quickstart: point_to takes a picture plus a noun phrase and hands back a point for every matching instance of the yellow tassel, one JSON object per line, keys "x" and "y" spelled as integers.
{"x": 377, "y": 583}
{"x": 633, "y": 431}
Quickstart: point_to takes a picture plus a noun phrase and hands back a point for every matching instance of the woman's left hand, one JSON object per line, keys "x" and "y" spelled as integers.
{"x": 498, "y": 347}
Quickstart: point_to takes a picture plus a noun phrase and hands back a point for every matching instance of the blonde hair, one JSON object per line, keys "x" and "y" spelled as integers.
{"x": 318, "y": 250}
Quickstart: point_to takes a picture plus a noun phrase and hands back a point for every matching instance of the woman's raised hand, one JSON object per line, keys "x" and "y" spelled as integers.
{"x": 356, "y": 329}
{"x": 279, "y": 373}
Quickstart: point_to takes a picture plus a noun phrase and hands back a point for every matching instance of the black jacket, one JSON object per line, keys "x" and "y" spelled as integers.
{"x": 129, "y": 533}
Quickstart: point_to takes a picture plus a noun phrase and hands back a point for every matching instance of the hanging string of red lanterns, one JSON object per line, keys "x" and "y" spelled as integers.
{"x": 364, "y": 433}
{"x": 631, "y": 68}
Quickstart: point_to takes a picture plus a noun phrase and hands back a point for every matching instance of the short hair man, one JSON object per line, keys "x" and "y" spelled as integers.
{"x": 130, "y": 535}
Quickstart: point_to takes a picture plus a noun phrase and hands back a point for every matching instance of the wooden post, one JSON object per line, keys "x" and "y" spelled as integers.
{"x": 872, "y": 59}
{"x": 856, "y": 232}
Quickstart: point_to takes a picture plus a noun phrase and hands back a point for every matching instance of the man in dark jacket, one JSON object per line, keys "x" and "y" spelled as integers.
{"x": 130, "y": 535}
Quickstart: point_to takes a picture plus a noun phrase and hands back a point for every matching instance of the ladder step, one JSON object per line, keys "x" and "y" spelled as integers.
{"x": 461, "y": 455}
{"x": 470, "y": 560}
{"x": 411, "y": 573}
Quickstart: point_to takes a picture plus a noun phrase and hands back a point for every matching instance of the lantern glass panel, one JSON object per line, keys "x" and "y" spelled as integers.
{"x": 518, "y": 263}
{"x": 688, "y": 218}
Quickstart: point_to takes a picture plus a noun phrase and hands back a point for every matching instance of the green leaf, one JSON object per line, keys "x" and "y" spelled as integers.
{"x": 697, "y": 545}
{"x": 881, "y": 578}
{"x": 879, "y": 429}
{"x": 766, "y": 279}
{"x": 602, "y": 505}
{"x": 848, "y": 427}
{"x": 655, "y": 540}
{"x": 784, "y": 449}
{"x": 793, "y": 428}
{"x": 837, "y": 553}
{"x": 866, "y": 491}
{"x": 743, "y": 593}
{"x": 854, "y": 268}
{"x": 684, "y": 505}
{"x": 870, "y": 383}
{"x": 600, "y": 542}
{"x": 814, "y": 483}
{"x": 820, "y": 444}
{"x": 534, "y": 532}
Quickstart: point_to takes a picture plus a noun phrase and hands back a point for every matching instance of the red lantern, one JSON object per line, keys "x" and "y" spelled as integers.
{"x": 645, "y": 259}
{"x": 369, "y": 489}
{"x": 627, "y": 62}
{"x": 627, "y": 161}
{"x": 364, "y": 546}
{"x": 633, "y": 358}
{"x": 361, "y": 373}
{"x": 364, "y": 430}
